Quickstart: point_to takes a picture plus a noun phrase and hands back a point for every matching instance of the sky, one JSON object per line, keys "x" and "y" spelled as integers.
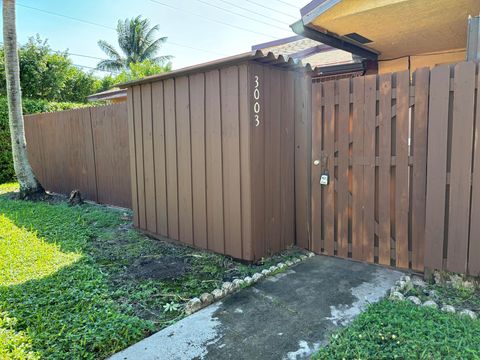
{"x": 197, "y": 30}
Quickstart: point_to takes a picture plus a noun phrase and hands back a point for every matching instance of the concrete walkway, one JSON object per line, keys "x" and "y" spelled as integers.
{"x": 288, "y": 316}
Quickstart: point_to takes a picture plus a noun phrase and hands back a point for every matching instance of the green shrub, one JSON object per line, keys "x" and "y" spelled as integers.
{"x": 30, "y": 106}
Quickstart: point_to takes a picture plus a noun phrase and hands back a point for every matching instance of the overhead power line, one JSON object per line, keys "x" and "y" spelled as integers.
{"x": 212, "y": 20}
{"x": 287, "y": 3}
{"x": 254, "y": 12}
{"x": 272, "y": 9}
{"x": 111, "y": 28}
{"x": 241, "y": 15}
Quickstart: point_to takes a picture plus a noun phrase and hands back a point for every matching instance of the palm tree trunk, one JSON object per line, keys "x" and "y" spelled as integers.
{"x": 28, "y": 183}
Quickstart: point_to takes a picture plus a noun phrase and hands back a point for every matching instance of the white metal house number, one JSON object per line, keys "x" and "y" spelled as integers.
{"x": 256, "y": 104}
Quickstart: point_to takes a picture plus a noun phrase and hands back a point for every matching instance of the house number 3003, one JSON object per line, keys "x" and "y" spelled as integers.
{"x": 256, "y": 104}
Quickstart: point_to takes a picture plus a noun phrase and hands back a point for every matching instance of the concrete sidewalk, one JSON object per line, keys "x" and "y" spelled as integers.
{"x": 288, "y": 316}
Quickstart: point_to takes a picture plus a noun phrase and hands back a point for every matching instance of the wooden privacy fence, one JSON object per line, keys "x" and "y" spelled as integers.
{"x": 404, "y": 165}
{"x": 214, "y": 155}
{"x": 85, "y": 149}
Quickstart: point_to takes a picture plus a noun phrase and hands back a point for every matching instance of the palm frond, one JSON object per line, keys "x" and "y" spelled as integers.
{"x": 111, "y": 65}
{"x": 151, "y": 50}
{"x": 109, "y": 50}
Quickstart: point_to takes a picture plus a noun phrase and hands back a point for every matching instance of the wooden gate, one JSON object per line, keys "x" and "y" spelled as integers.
{"x": 370, "y": 135}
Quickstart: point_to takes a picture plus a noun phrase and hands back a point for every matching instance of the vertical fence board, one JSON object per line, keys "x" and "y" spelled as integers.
{"x": 460, "y": 174}
{"x": 213, "y": 127}
{"x": 302, "y": 160}
{"x": 437, "y": 166}
{"x": 329, "y": 151}
{"x": 287, "y": 162}
{"x": 385, "y": 133}
{"x": 421, "y": 79}
{"x": 197, "y": 117}
{"x": 357, "y": 167}
{"x": 184, "y": 160}
{"x": 245, "y": 171}
{"x": 133, "y": 157}
{"x": 369, "y": 169}
{"x": 171, "y": 157}
{"x": 316, "y": 221}
{"x": 231, "y": 161}
{"x": 159, "y": 158}
{"x": 272, "y": 157}
{"x": 257, "y": 156}
{"x": 343, "y": 154}
{"x": 474, "y": 246}
{"x": 148, "y": 159}
{"x": 137, "y": 100}
{"x": 401, "y": 169}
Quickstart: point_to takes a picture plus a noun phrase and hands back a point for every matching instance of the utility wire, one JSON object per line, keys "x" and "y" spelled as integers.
{"x": 271, "y": 9}
{"x": 254, "y": 12}
{"x": 241, "y": 15}
{"x": 111, "y": 28}
{"x": 287, "y": 3}
{"x": 212, "y": 20}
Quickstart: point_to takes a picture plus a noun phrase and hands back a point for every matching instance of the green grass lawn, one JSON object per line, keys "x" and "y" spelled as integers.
{"x": 401, "y": 330}
{"x": 73, "y": 283}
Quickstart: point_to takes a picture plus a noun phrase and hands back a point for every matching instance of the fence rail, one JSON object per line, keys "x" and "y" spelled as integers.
{"x": 85, "y": 149}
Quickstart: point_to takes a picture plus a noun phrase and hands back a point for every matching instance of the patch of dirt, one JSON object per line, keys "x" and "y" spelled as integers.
{"x": 158, "y": 268}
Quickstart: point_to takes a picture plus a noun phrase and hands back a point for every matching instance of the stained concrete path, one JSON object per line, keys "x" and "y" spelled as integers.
{"x": 288, "y": 316}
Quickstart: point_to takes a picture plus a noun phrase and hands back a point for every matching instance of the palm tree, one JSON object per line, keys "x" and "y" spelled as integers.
{"x": 137, "y": 41}
{"x": 29, "y": 186}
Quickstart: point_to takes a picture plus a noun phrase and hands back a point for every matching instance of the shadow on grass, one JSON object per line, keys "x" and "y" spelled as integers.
{"x": 67, "y": 312}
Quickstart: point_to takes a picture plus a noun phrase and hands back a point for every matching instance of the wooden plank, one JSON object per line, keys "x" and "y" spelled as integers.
{"x": 257, "y": 157}
{"x": 213, "y": 127}
{"x": 342, "y": 169}
{"x": 437, "y": 166}
{"x": 316, "y": 245}
{"x": 369, "y": 169}
{"x": 329, "y": 153}
{"x": 272, "y": 159}
{"x": 171, "y": 157}
{"x": 461, "y": 165}
{"x": 231, "y": 161}
{"x": 401, "y": 168}
{"x": 133, "y": 156}
{"x": 197, "y": 118}
{"x": 137, "y": 109}
{"x": 357, "y": 167}
{"x": 419, "y": 169}
{"x": 245, "y": 170}
{"x": 148, "y": 159}
{"x": 288, "y": 161}
{"x": 385, "y": 153}
{"x": 159, "y": 157}
{"x": 474, "y": 246}
{"x": 184, "y": 160}
{"x": 88, "y": 147}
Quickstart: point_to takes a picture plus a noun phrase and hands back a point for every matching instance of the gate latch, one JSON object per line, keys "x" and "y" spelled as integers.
{"x": 324, "y": 178}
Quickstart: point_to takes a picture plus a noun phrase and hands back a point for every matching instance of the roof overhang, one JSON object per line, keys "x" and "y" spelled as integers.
{"x": 111, "y": 94}
{"x": 395, "y": 28}
{"x": 333, "y": 40}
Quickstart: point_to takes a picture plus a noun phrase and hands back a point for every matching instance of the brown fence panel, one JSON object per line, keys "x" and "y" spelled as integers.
{"x": 84, "y": 149}
{"x": 110, "y": 136}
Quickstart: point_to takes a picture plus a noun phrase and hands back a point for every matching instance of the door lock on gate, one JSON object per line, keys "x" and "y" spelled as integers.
{"x": 324, "y": 177}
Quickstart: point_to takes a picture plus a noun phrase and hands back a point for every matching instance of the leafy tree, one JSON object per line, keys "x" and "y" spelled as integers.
{"x": 137, "y": 43}
{"x": 45, "y": 74}
{"x": 140, "y": 70}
